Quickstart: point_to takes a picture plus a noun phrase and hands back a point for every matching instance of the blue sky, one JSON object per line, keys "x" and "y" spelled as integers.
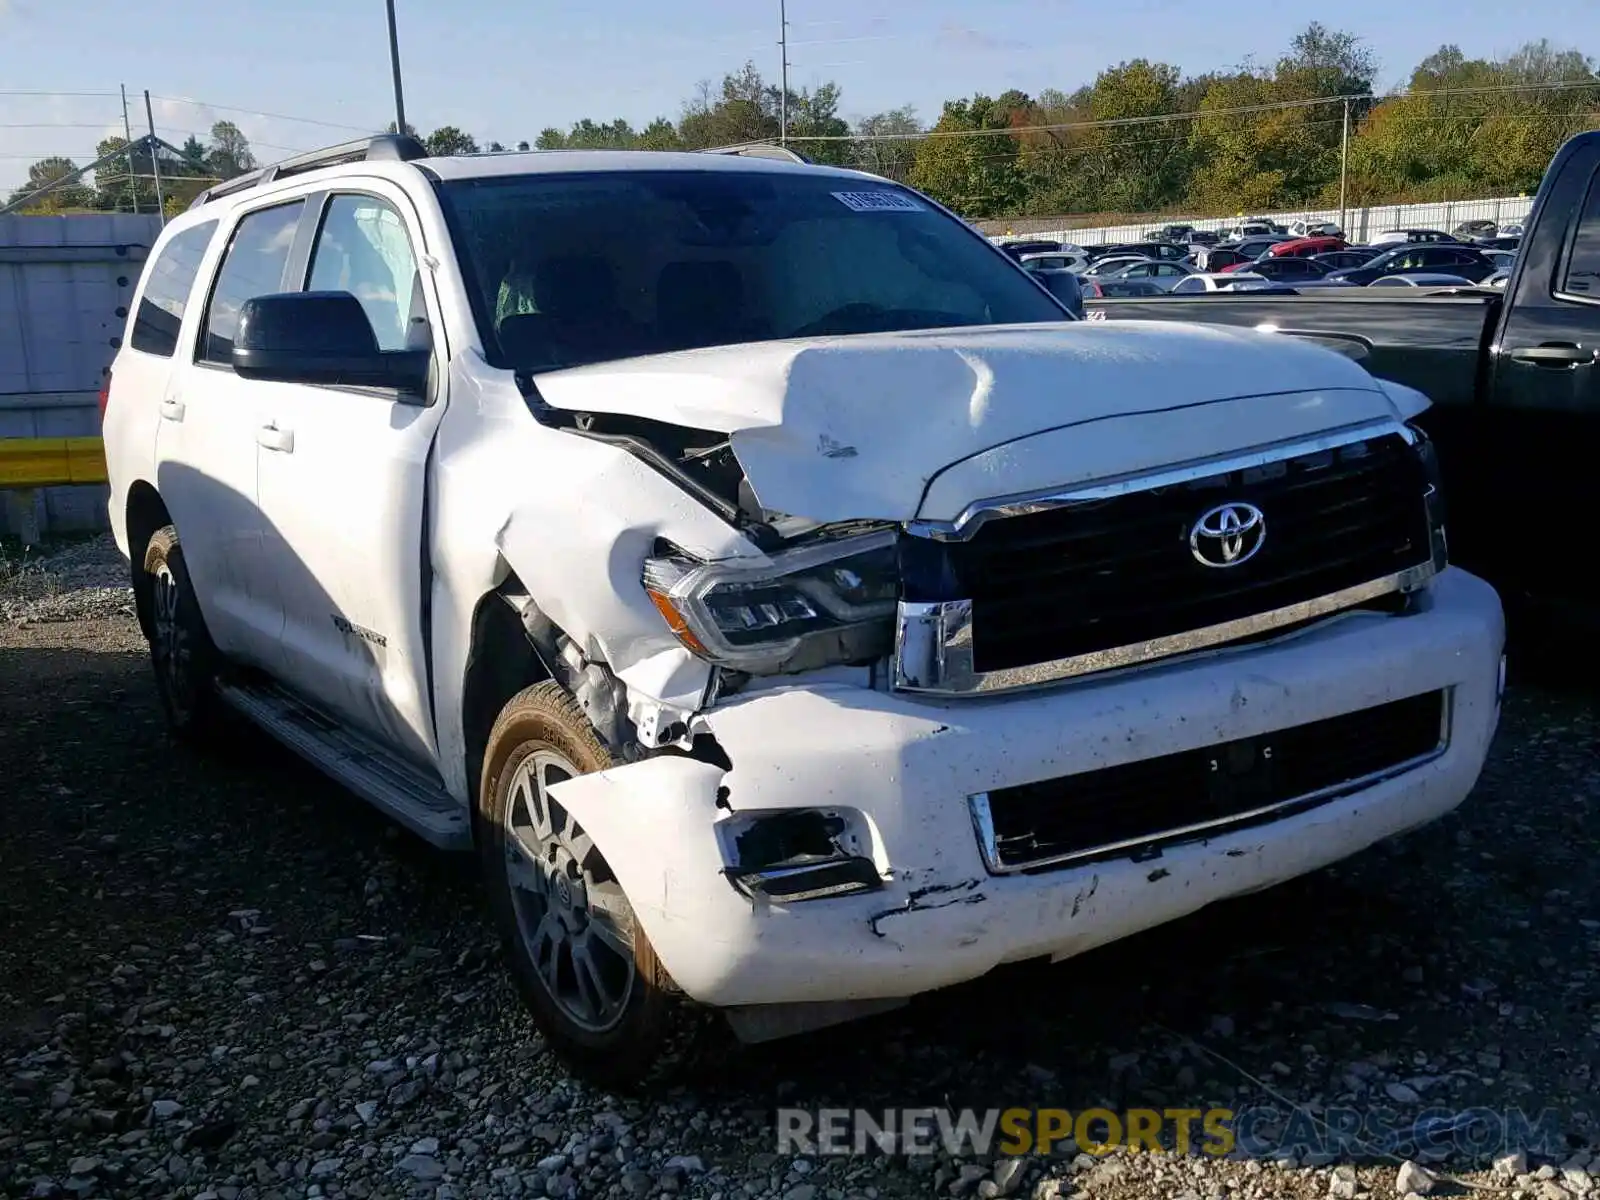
{"x": 504, "y": 69}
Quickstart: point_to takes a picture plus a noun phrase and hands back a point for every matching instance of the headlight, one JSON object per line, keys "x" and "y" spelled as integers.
{"x": 1428, "y": 456}
{"x": 808, "y": 607}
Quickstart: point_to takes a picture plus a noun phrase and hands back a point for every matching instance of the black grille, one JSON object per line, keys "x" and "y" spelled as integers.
{"x": 1139, "y": 802}
{"x": 1114, "y": 572}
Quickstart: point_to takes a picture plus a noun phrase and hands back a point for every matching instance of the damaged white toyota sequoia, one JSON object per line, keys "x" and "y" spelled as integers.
{"x": 794, "y": 608}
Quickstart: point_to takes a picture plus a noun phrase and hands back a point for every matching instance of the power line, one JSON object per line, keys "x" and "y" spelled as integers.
{"x": 254, "y": 112}
{"x": 96, "y": 95}
{"x": 1157, "y": 118}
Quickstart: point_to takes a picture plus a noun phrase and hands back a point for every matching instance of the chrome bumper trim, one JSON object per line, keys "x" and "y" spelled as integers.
{"x": 933, "y": 641}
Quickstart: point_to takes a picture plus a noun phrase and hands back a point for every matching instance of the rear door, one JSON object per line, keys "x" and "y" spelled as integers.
{"x": 1544, "y": 395}
{"x": 343, "y": 491}
{"x": 207, "y": 441}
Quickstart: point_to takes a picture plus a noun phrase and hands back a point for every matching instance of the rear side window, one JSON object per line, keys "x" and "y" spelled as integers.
{"x": 253, "y": 266}
{"x": 167, "y": 284}
{"x": 1581, "y": 275}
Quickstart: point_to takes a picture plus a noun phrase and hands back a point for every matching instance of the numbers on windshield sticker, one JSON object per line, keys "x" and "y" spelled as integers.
{"x": 1096, "y": 314}
{"x": 877, "y": 202}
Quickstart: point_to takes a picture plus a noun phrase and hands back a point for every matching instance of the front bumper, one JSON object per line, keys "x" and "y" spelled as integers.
{"x": 911, "y": 765}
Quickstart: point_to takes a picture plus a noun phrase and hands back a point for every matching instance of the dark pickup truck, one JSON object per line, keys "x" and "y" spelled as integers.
{"x": 1515, "y": 381}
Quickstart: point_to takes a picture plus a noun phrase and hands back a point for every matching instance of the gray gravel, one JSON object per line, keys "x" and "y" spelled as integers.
{"x": 222, "y": 977}
{"x": 77, "y": 581}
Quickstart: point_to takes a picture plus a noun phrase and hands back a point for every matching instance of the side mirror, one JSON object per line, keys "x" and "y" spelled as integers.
{"x": 321, "y": 338}
{"x": 1064, "y": 286}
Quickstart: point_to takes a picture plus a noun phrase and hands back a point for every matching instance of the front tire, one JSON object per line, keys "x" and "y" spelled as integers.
{"x": 579, "y": 958}
{"x": 181, "y": 650}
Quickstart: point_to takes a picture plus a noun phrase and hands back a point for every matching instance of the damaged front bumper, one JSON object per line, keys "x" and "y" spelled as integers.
{"x": 908, "y": 782}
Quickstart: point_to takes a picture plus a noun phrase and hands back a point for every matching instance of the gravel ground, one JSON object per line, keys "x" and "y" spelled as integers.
{"x": 223, "y": 977}
{"x": 71, "y": 583}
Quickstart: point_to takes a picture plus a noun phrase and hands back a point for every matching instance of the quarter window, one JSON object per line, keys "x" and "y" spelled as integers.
{"x": 1581, "y": 275}
{"x": 363, "y": 249}
{"x": 167, "y": 284}
{"x": 254, "y": 266}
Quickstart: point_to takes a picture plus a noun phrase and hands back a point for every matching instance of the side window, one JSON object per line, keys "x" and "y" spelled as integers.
{"x": 253, "y": 266}
{"x": 1581, "y": 274}
{"x": 167, "y": 284}
{"x": 362, "y": 248}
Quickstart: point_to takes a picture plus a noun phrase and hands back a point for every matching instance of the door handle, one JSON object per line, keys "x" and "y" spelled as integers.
{"x": 1555, "y": 354}
{"x": 273, "y": 438}
{"x": 172, "y": 410}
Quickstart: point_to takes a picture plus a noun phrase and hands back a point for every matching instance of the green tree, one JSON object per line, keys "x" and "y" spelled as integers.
{"x": 660, "y": 134}
{"x": 1464, "y": 128}
{"x": 816, "y": 114}
{"x": 48, "y": 182}
{"x": 976, "y": 176}
{"x": 117, "y": 188}
{"x": 230, "y": 153}
{"x": 447, "y": 141}
{"x": 885, "y": 144}
{"x": 745, "y": 109}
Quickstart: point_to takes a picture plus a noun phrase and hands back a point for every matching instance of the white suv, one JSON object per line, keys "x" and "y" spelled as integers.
{"x": 794, "y": 609}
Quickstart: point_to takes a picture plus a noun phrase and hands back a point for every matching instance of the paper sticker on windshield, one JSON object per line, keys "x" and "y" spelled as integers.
{"x": 878, "y": 202}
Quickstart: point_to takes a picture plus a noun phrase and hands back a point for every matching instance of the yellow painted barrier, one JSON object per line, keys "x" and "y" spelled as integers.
{"x": 51, "y": 462}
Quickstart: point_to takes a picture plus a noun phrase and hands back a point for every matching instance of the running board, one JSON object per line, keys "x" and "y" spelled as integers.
{"x": 398, "y": 789}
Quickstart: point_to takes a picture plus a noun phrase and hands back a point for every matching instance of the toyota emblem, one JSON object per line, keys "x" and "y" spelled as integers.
{"x": 1228, "y": 534}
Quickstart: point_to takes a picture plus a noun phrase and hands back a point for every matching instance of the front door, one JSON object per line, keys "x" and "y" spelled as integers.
{"x": 206, "y": 447}
{"x": 1544, "y": 401}
{"x": 343, "y": 489}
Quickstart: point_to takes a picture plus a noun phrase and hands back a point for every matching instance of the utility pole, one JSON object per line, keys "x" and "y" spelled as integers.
{"x": 783, "y": 94}
{"x": 127, "y": 132}
{"x": 1344, "y": 162}
{"x": 155, "y": 163}
{"x": 394, "y": 65}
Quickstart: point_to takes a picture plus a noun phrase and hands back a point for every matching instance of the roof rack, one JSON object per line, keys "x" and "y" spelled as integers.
{"x": 760, "y": 150}
{"x": 386, "y": 147}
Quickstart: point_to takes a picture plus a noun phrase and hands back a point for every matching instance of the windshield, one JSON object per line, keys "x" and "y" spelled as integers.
{"x": 572, "y": 269}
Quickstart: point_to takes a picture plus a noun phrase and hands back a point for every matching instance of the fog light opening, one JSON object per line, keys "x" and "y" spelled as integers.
{"x": 797, "y": 854}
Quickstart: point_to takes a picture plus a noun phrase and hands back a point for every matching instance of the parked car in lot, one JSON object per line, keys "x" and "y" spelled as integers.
{"x": 1100, "y": 288}
{"x": 1021, "y": 248}
{"x": 1305, "y": 247}
{"x": 1350, "y": 256}
{"x": 1502, "y": 259}
{"x": 784, "y": 600}
{"x": 1203, "y": 281}
{"x": 1515, "y": 378}
{"x": 1283, "y": 270}
{"x": 1166, "y": 251}
{"x": 1164, "y": 273}
{"x": 1457, "y": 258}
{"x": 1114, "y": 264}
{"x": 1309, "y": 229}
{"x": 1219, "y": 258}
{"x": 1255, "y": 247}
{"x": 1423, "y": 279}
{"x": 1410, "y": 236}
{"x": 1062, "y": 261}
{"x": 1472, "y": 231}
{"x": 1203, "y": 237}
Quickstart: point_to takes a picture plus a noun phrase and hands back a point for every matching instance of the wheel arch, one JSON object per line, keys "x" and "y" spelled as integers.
{"x": 144, "y": 513}
{"x": 502, "y": 659}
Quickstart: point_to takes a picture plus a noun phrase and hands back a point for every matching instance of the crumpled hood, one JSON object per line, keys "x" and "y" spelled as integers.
{"x": 837, "y": 429}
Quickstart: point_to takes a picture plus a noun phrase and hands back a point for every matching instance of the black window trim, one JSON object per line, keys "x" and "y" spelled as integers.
{"x": 197, "y": 353}
{"x": 302, "y": 257}
{"x": 210, "y": 226}
{"x": 1570, "y": 242}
